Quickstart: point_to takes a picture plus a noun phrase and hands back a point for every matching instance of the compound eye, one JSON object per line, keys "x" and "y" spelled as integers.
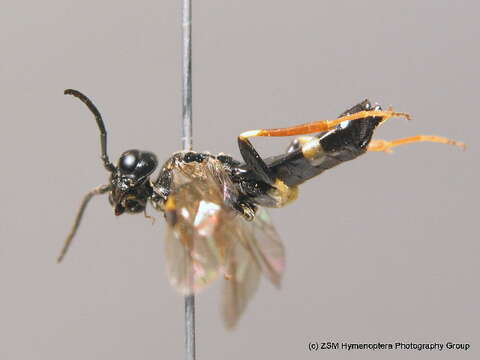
{"x": 147, "y": 163}
{"x": 128, "y": 161}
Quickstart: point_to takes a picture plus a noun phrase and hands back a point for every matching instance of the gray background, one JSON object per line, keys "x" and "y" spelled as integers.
{"x": 384, "y": 248}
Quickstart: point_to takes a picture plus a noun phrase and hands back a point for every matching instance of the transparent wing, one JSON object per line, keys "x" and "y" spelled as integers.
{"x": 193, "y": 264}
{"x": 208, "y": 239}
{"x": 266, "y": 247}
{"x": 195, "y": 244}
{"x": 257, "y": 249}
{"x": 241, "y": 281}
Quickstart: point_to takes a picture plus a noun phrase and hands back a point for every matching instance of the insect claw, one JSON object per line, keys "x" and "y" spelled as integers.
{"x": 459, "y": 144}
{"x": 393, "y": 113}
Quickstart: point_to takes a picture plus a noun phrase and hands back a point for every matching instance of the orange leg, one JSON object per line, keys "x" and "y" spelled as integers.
{"x": 323, "y": 125}
{"x": 386, "y": 146}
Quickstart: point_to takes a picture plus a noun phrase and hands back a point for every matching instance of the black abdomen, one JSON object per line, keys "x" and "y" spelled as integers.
{"x": 323, "y": 152}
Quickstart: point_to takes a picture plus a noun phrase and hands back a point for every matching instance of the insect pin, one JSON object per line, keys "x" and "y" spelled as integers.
{"x": 214, "y": 205}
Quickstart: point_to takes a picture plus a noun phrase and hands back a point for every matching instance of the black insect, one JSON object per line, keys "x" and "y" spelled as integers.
{"x": 214, "y": 204}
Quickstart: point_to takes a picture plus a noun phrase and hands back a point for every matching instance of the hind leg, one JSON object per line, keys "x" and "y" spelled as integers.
{"x": 386, "y": 146}
{"x": 324, "y": 125}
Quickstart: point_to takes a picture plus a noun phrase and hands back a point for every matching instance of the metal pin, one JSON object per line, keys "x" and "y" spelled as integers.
{"x": 187, "y": 145}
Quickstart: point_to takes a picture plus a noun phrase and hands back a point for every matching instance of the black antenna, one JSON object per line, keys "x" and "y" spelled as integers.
{"x": 101, "y": 125}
